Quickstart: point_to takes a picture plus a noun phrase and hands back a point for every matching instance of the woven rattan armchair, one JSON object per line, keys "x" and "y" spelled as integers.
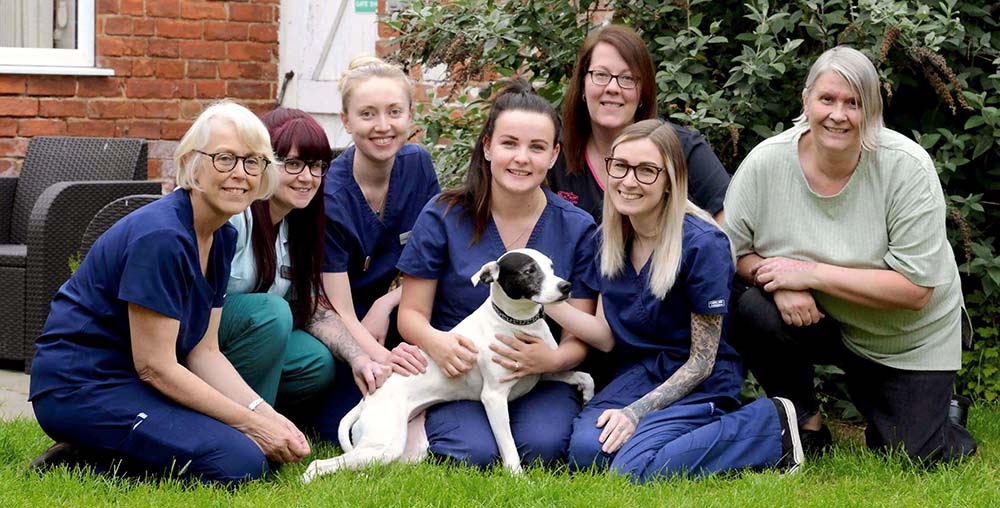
{"x": 110, "y": 214}
{"x": 43, "y": 214}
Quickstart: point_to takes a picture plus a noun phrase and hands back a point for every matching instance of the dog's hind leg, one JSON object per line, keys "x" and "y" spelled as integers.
{"x": 346, "y": 425}
{"x": 416, "y": 440}
{"x": 499, "y": 416}
{"x": 581, "y": 380}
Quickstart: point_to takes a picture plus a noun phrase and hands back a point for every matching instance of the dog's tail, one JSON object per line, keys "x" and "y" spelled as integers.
{"x": 346, "y": 424}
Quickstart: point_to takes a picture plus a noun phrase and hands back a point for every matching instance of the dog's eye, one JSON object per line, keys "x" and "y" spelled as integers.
{"x": 530, "y": 270}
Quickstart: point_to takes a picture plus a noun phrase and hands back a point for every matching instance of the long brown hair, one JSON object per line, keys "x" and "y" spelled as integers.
{"x": 474, "y": 193}
{"x": 575, "y": 116}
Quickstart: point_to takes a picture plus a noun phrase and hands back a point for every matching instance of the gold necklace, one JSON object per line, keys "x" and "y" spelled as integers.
{"x": 529, "y": 227}
{"x": 381, "y": 204}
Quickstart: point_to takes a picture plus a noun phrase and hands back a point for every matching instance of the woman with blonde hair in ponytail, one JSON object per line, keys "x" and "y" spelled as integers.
{"x": 664, "y": 272}
{"x": 373, "y": 194}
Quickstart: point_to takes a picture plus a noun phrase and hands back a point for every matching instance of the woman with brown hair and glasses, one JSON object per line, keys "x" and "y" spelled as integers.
{"x": 613, "y": 86}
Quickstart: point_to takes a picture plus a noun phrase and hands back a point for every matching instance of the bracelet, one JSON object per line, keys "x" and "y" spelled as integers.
{"x": 255, "y": 404}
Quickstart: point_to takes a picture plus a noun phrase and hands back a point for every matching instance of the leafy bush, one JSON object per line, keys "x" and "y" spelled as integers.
{"x": 734, "y": 70}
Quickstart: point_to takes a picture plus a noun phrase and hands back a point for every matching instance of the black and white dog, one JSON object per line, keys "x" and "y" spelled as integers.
{"x": 521, "y": 282}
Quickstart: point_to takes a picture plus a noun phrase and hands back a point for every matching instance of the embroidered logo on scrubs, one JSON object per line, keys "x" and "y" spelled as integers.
{"x": 403, "y": 237}
{"x": 569, "y": 196}
{"x": 715, "y": 304}
{"x": 286, "y": 272}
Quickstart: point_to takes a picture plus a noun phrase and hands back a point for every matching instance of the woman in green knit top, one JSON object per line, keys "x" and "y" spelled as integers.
{"x": 838, "y": 229}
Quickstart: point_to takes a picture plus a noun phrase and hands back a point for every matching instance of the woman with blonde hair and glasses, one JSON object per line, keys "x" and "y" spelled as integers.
{"x": 128, "y": 365}
{"x": 663, "y": 273}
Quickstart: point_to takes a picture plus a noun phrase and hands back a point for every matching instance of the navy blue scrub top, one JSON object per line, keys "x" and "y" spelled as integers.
{"x": 707, "y": 178}
{"x": 149, "y": 258}
{"x": 657, "y": 333}
{"x": 439, "y": 248}
{"x": 356, "y": 237}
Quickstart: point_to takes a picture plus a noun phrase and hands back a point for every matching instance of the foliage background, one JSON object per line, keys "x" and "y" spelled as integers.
{"x": 734, "y": 70}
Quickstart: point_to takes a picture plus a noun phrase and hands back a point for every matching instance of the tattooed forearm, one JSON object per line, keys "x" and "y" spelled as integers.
{"x": 705, "y": 333}
{"x": 326, "y": 326}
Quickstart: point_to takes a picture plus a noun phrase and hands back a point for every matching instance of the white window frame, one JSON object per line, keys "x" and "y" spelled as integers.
{"x": 79, "y": 61}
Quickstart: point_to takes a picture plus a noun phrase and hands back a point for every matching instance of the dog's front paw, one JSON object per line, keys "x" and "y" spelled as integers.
{"x": 311, "y": 472}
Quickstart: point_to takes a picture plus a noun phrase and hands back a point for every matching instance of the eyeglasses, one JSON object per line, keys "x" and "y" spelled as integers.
{"x": 295, "y": 166}
{"x": 644, "y": 173}
{"x": 224, "y": 162}
{"x": 602, "y": 78}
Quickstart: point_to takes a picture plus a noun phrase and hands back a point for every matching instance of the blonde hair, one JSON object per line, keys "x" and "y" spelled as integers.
{"x": 858, "y": 71}
{"x": 364, "y": 67}
{"x": 250, "y": 130}
{"x": 617, "y": 230}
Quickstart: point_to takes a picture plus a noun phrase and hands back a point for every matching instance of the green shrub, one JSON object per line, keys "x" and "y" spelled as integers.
{"x": 734, "y": 70}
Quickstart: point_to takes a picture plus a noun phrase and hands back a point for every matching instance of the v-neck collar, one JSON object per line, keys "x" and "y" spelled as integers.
{"x": 643, "y": 270}
{"x": 498, "y": 246}
{"x": 370, "y": 215}
{"x": 186, "y": 216}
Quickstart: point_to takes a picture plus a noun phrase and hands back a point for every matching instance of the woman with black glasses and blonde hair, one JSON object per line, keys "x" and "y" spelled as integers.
{"x": 664, "y": 273}
{"x": 277, "y": 328}
{"x": 128, "y": 365}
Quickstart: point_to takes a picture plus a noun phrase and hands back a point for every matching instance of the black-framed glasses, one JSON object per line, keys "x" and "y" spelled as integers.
{"x": 644, "y": 173}
{"x": 224, "y": 162}
{"x": 602, "y": 78}
{"x": 295, "y": 166}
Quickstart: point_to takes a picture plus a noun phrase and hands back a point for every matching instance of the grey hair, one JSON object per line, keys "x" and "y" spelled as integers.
{"x": 250, "y": 130}
{"x": 858, "y": 70}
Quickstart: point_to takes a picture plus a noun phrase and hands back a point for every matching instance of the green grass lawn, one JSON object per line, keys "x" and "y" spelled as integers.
{"x": 848, "y": 475}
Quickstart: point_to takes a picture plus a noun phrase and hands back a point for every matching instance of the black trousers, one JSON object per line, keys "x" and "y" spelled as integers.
{"x": 903, "y": 408}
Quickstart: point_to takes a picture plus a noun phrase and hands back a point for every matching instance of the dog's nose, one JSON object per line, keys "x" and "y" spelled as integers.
{"x": 563, "y": 287}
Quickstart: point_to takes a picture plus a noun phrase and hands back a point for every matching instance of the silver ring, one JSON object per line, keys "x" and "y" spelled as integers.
{"x": 517, "y": 365}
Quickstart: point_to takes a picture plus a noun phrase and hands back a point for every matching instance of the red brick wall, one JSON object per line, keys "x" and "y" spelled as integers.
{"x": 171, "y": 58}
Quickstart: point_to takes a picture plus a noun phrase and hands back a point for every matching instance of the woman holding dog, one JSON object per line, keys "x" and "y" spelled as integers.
{"x": 501, "y": 206}
{"x": 128, "y": 364}
{"x": 276, "y": 328}
{"x": 374, "y": 192}
{"x": 664, "y": 271}
{"x": 613, "y": 86}
{"x": 839, "y": 228}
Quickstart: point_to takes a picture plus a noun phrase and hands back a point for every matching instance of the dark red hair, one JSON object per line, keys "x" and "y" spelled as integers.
{"x": 293, "y": 128}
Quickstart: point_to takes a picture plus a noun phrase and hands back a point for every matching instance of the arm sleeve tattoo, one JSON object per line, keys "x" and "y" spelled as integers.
{"x": 705, "y": 333}
{"x": 326, "y": 326}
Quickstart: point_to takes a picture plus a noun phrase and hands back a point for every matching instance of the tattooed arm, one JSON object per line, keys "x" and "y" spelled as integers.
{"x": 327, "y": 326}
{"x": 619, "y": 425}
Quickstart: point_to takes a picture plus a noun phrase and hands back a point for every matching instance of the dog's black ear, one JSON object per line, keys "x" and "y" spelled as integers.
{"x": 487, "y": 274}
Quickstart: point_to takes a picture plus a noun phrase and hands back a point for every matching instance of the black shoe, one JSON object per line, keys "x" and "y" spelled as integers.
{"x": 815, "y": 442}
{"x": 792, "y": 454}
{"x": 958, "y": 410}
{"x": 58, "y": 454}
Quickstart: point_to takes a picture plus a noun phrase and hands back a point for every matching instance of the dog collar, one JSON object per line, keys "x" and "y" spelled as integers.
{"x": 519, "y": 322}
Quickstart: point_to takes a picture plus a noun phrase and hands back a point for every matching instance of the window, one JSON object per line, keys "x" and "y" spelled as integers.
{"x": 48, "y": 37}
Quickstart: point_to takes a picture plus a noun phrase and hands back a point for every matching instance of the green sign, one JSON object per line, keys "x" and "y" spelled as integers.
{"x": 365, "y": 5}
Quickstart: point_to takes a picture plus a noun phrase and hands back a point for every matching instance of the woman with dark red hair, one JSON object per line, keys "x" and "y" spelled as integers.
{"x": 277, "y": 328}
